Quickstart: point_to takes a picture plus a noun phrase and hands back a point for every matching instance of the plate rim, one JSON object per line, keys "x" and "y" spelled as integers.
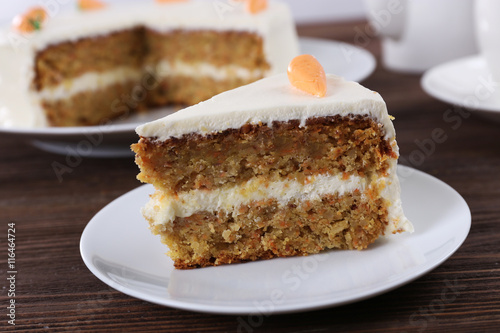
{"x": 446, "y": 95}
{"x": 248, "y": 310}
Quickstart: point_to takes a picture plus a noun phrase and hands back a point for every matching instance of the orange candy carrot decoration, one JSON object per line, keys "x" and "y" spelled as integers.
{"x": 30, "y": 21}
{"x": 307, "y": 74}
{"x": 168, "y": 1}
{"x": 255, "y": 6}
{"x": 90, "y": 4}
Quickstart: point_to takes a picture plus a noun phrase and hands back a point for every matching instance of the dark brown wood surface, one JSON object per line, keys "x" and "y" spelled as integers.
{"x": 56, "y": 292}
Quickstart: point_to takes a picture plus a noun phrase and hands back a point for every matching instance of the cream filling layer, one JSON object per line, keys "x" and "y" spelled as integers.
{"x": 91, "y": 81}
{"x": 163, "y": 209}
{"x": 94, "y": 81}
{"x": 165, "y": 68}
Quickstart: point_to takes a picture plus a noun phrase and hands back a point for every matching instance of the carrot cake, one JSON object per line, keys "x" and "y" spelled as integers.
{"x": 268, "y": 170}
{"x": 102, "y": 61}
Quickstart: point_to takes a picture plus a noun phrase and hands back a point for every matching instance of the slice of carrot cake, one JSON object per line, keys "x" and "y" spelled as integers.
{"x": 269, "y": 170}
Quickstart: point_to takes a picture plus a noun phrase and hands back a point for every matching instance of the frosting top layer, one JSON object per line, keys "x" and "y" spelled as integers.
{"x": 65, "y": 23}
{"x": 267, "y": 100}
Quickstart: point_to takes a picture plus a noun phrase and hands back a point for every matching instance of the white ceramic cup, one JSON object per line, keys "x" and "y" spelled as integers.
{"x": 420, "y": 34}
{"x": 487, "y": 15}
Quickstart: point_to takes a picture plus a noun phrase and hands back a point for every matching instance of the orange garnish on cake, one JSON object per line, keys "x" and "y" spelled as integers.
{"x": 90, "y": 4}
{"x": 30, "y": 21}
{"x": 306, "y": 73}
{"x": 167, "y": 1}
{"x": 255, "y": 6}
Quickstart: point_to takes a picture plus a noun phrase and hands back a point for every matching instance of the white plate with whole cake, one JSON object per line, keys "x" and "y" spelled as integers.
{"x": 113, "y": 138}
{"x": 118, "y": 248}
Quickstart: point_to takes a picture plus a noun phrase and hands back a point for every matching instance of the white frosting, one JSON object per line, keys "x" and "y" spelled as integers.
{"x": 163, "y": 209}
{"x": 274, "y": 25}
{"x": 392, "y": 192}
{"x": 267, "y": 100}
{"x": 17, "y": 109}
{"x": 219, "y": 73}
{"x": 89, "y": 82}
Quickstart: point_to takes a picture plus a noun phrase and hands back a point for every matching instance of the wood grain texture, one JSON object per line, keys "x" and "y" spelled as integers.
{"x": 55, "y": 292}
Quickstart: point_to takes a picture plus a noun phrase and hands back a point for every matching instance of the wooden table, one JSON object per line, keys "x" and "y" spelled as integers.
{"x": 56, "y": 292}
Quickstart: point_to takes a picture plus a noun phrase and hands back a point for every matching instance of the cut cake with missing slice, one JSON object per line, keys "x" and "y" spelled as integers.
{"x": 267, "y": 170}
{"x": 87, "y": 67}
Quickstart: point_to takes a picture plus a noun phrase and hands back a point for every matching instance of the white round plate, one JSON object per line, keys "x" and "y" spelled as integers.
{"x": 114, "y": 138}
{"x": 465, "y": 82}
{"x": 119, "y": 249}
